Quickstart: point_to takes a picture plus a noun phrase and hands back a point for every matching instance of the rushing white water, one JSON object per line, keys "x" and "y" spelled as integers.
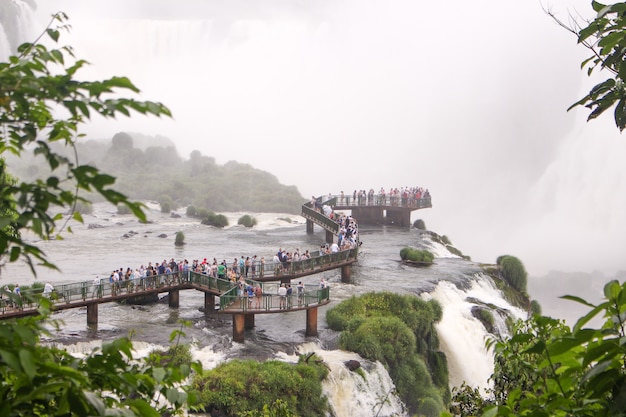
{"x": 367, "y": 392}
{"x": 17, "y": 25}
{"x": 462, "y": 336}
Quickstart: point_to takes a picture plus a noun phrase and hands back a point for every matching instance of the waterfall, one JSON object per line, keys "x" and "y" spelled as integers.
{"x": 462, "y": 336}
{"x": 17, "y": 25}
{"x": 368, "y": 391}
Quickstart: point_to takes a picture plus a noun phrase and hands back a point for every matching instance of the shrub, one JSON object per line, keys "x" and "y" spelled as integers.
{"x": 247, "y": 220}
{"x": 217, "y": 220}
{"x": 203, "y": 213}
{"x": 535, "y": 307}
{"x": 446, "y": 240}
{"x": 191, "y": 211}
{"x": 416, "y": 255}
{"x": 397, "y": 330}
{"x": 242, "y": 387}
{"x": 419, "y": 224}
{"x": 180, "y": 239}
{"x": 430, "y": 407}
{"x": 513, "y": 271}
{"x": 166, "y": 206}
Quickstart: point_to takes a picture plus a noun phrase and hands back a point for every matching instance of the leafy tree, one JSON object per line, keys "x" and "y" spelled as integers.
{"x": 605, "y": 37}
{"x": 43, "y": 103}
{"x": 43, "y": 380}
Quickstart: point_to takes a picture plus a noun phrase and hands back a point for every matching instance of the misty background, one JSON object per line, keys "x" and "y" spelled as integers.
{"x": 467, "y": 99}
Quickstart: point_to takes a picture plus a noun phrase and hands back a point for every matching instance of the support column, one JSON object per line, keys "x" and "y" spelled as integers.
{"x": 329, "y": 237}
{"x": 92, "y": 313}
{"x": 249, "y": 321}
{"x": 174, "y": 299}
{"x": 309, "y": 227}
{"x": 346, "y": 272}
{"x": 311, "y": 322}
{"x": 238, "y": 327}
{"x": 209, "y": 303}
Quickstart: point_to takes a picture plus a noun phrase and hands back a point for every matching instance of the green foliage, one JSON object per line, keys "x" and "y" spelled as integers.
{"x": 216, "y": 220}
{"x": 549, "y": 369}
{"x": 167, "y": 205}
{"x": 513, "y": 271}
{"x": 535, "y": 307}
{"x": 419, "y": 224}
{"x": 446, "y": 240}
{"x": 180, "y": 239}
{"x": 192, "y": 211}
{"x": 41, "y": 380}
{"x": 398, "y": 331}
{"x": 605, "y": 37}
{"x": 247, "y": 220}
{"x": 242, "y": 387}
{"x": 416, "y": 255}
{"x": 43, "y": 101}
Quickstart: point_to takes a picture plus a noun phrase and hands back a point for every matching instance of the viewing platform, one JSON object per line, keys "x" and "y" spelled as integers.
{"x": 375, "y": 209}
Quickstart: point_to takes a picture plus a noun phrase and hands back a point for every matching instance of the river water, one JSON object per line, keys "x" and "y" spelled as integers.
{"x": 108, "y": 241}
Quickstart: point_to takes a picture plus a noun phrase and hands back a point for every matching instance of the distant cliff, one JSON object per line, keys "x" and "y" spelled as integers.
{"x": 151, "y": 169}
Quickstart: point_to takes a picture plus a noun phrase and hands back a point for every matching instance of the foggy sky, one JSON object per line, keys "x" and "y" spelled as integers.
{"x": 467, "y": 99}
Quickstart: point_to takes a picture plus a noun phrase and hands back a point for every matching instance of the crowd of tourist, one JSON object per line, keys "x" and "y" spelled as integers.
{"x": 406, "y": 196}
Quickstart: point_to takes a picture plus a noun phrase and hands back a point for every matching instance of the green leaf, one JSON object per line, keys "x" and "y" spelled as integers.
{"x": 27, "y": 362}
{"x": 53, "y": 33}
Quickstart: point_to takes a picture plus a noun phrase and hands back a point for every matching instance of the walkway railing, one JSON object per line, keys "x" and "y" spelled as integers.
{"x": 310, "y": 213}
{"x": 385, "y": 200}
{"x": 105, "y": 290}
{"x": 270, "y": 299}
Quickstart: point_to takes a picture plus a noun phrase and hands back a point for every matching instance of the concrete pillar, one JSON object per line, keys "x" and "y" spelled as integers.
{"x": 329, "y": 237}
{"x": 249, "y": 321}
{"x": 311, "y": 322}
{"x": 209, "y": 303}
{"x": 238, "y": 327}
{"x": 346, "y": 272}
{"x": 174, "y": 299}
{"x": 309, "y": 227}
{"x": 92, "y": 313}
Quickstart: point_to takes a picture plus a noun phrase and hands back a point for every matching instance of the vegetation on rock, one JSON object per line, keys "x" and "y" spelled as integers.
{"x": 247, "y": 221}
{"x": 270, "y": 388}
{"x": 399, "y": 331}
{"x": 416, "y": 255}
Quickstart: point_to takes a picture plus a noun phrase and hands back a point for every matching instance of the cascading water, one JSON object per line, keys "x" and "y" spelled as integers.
{"x": 17, "y": 25}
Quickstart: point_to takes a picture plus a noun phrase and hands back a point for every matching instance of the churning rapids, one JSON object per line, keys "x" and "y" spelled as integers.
{"x": 108, "y": 241}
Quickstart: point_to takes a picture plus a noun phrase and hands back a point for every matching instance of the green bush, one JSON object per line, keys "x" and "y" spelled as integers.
{"x": 416, "y": 255}
{"x": 217, "y": 220}
{"x": 513, "y": 271}
{"x": 430, "y": 407}
{"x": 446, "y": 240}
{"x": 419, "y": 224}
{"x": 180, "y": 239}
{"x": 242, "y": 387}
{"x": 247, "y": 220}
{"x": 535, "y": 307}
{"x": 191, "y": 211}
{"x": 167, "y": 206}
{"x": 397, "y": 330}
{"x": 203, "y": 213}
